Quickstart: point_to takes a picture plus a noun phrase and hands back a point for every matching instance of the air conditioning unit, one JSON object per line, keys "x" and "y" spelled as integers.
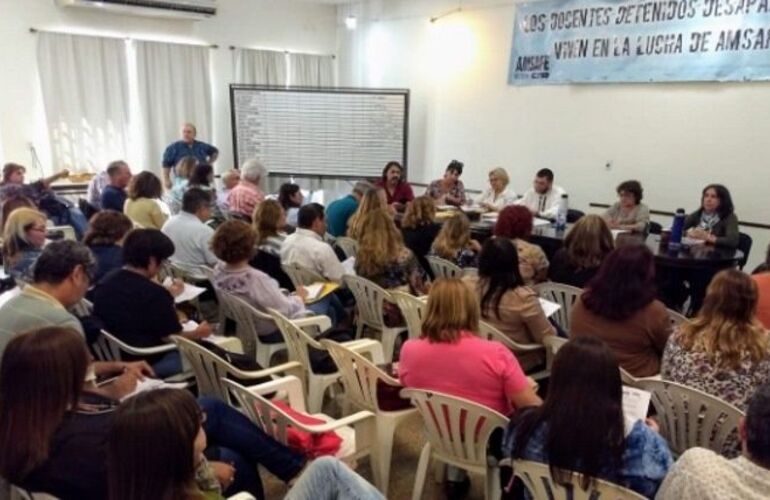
{"x": 179, "y": 9}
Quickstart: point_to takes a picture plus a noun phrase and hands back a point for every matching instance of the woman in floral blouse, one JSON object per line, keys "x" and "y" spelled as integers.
{"x": 454, "y": 243}
{"x": 724, "y": 351}
{"x": 449, "y": 190}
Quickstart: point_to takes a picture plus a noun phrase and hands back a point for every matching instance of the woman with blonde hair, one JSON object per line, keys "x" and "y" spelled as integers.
{"x": 268, "y": 221}
{"x": 585, "y": 247}
{"x": 23, "y": 240}
{"x": 724, "y": 351}
{"x": 498, "y": 195}
{"x": 454, "y": 242}
{"x": 182, "y": 173}
{"x": 419, "y": 228}
{"x": 374, "y": 199}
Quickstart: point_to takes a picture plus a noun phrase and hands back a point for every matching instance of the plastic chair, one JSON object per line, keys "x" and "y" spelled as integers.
{"x": 246, "y": 318}
{"x": 689, "y": 417}
{"x": 210, "y": 369}
{"x": 552, "y": 345}
{"x": 370, "y": 299}
{"x": 298, "y": 342}
{"x": 18, "y": 493}
{"x": 654, "y": 228}
{"x": 413, "y": 310}
{"x": 301, "y": 276}
{"x": 537, "y": 479}
{"x": 349, "y": 246}
{"x": 632, "y": 381}
{"x": 565, "y": 296}
{"x": 108, "y": 347}
{"x": 574, "y": 215}
{"x": 745, "y": 243}
{"x": 360, "y": 377}
{"x": 458, "y": 431}
{"x": 676, "y": 318}
{"x": 489, "y": 332}
{"x": 443, "y": 268}
{"x": 358, "y": 440}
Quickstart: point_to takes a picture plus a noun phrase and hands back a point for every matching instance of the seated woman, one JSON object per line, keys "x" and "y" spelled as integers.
{"x": 619, "y": 307}
{"x": 233, "y": 244}
{"x": 138, "y": 310}
{"x": 374, "y": 199}
{"x": 143, "y": 203}
{"x": 398, "y": 192}
{"x": 291, "y": 198}
{"x": 451, "y": 358}
{"x": 715, "y": 221}
{"x": 269, "y": 219}
{"x": 628, "y": 213}
{"x": 761, "y": 277}
{"x": 498, "y": 196}
{"x": 419, "y": 228}
{"x": 454, "y": 242}
{"x": 203, "y": 179}
{"x": 449, "y": 190}
{"x": 724, "y": 351}
{"x": 585, "y": 247}
{"x": 23, "y": 240}
{"x": 182, "y": 173}
{"x": 105, "y": 235}
{"x": 506, "y": 302}
{"x": 593, "y": 437}
{"x": 58, "y": 440}
{"x": 515, "y": 223}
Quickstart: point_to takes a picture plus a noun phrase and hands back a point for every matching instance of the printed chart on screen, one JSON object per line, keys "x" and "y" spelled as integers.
{"x": 320, "y": 132}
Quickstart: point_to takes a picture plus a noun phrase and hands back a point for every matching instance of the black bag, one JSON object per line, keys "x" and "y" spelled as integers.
{"x": 240, "y": 361}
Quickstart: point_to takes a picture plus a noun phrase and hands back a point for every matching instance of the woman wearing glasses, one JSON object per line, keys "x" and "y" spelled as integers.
{"x": 23, "y": 240}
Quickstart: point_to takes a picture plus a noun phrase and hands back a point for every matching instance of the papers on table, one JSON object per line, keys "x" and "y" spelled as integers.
{"x": 150, "y": 384}
{"x": 349, "y": 265}
{"x": 444, "y": 208}
{"x": 636, "y": 402}
{"x": 189, "y": 293}
{"x": 549, "y": 308}
{"x": 537, "y": 221}
{"x": 691, "y": 242}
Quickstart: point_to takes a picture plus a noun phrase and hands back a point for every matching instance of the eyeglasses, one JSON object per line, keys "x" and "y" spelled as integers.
{"x": 38, "y": 228}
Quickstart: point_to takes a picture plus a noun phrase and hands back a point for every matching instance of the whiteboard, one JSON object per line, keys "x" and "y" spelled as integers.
{"x": 320, "y": 132}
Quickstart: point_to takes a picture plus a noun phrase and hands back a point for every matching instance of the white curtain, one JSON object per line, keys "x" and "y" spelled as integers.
{"x": 308, "y": 70}
{"x": 263, "y": 67}
{"x": 174, "y": 87}
{"x": 84, "y": 80}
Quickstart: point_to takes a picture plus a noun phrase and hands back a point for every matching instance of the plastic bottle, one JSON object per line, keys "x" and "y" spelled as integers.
{"x": 561, "y": 213}
{"x": 675, "y": 243}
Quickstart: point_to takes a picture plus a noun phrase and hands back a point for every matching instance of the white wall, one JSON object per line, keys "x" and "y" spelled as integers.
{"x": 271, "y": 24}
{"x": 675, "y": 138}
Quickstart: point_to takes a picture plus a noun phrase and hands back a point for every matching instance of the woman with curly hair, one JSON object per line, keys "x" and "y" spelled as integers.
{"x": 106, "y": 232}
{"x": 454, "y": 242}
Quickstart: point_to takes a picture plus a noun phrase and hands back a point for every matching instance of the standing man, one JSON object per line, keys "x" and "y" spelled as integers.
{"x": 188, "y": 146}
{"x": 542, "y": 199}
{"x": 114, "y": 193}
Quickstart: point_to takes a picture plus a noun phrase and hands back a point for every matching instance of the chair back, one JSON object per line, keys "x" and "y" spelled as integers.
{"x": 443, "y": 268}
{"x": 208, "y": 368}
{"x": 189, "y": 273}
{"x": 676, "y": 318}
{"x": 744, "y": 245}
{"x": 18, "y": 493}
{"x": 654, "y": 228}
{"x": 246, "y": 317}
{"x": 574, "y": 215}
{"x": 106, "y": 347}
{"x": 552, "y": 345}
{"x": 413, "y": 310}
{"x": 565, "y": 296}
{"x": 296, "y": 339}
{"x": 537, "y": 479}
{"x": 301, "y": 276}
{"x": 458, "y": 430}
{"x": 369, "y": 300}
{"x": 689, "y": 417}
{"x": 489, "y": 332}
{"x": 349, "y": 246}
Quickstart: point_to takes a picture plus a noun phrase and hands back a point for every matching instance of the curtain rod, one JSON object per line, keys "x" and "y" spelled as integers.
{"x": 233, "y": 47}
{"x": 127, "y": 38}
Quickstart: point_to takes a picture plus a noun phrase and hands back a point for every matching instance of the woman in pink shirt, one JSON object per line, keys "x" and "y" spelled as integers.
{"x": 450, "y": 358}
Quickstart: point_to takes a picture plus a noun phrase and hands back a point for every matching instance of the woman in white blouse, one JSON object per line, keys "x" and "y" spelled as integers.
{"x": 498, "y": 196}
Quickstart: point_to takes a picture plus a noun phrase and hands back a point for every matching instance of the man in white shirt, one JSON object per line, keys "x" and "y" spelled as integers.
{"x": 188, "y": 231}
{"x": 307, "y": 248}
{"x": 702, "y": 474}
{"x": 542, "y": 199}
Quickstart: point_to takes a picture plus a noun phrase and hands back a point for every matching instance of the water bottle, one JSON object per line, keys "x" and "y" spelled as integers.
{"x": 561, "y": 213}
{"x": 675, "y": 243}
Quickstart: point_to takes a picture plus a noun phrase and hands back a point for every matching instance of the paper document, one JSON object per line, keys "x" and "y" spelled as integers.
{"x": 549, "y": 308}
{"x": 189, "y": 293}
{"x": 537, "y": 221}
{"x": 636, "y": 402}
{"x": 691, "y": 242}
{"x": 349, "y": 265}
{"x": 317, "y": 291}
{"x": 443, "y": 208}
{"x": 150, "y": 384}
{"x": 616, "y": 232}
{"x": 313, "y": 290}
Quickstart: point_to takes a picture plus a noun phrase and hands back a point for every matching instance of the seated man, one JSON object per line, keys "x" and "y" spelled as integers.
{"x": 62, "y": 274}
{"x": 542, "y": 199}
{"x": 138, "y": 310}
{"x": 95, "y": 188}
{"x": 114, "y": 194}
{"x": 247, "y": 194}
{"x": 705, "y": 475}
{"x": 339, "y": 211}
{"x": 307, "y": 248}
{"x": 188, "y": 230}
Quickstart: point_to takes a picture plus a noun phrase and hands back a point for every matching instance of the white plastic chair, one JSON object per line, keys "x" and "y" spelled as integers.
{"x": 413, "y": 310}
{"x": 357, "y": 431}
{"x": 360, "y": 377}
{"x": 108, "y": 347}
{"x": 688, "y": 417}
{"x": 349, "y": 246}
{"x": 489, "y": 332}
{"x": 458, "y": 431}
{"x": 565, "y": 296}
{"x": 552, "y": 345}
{"x": 18, "y": 493}
{"x": 302, "y": 276}
{"x": 68, "y": 232}
{"x": 370, "y": 299}
{"x": 676, "y": 318}
{"x": 443, "y": 268}
{"x": 246, "y": 317}
{"x": 298, "y": 341}
{"x": 210, "y": 369}
{"x": 632, "y": 381}
{"x": 537, "y": 479}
